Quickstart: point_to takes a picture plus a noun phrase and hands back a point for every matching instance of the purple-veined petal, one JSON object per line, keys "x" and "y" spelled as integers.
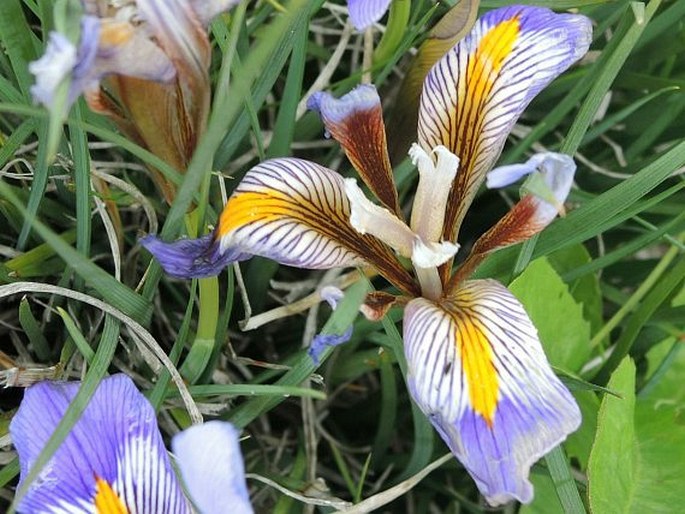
{"x": 191, "y": 258}
{"x": 297, "y": 213}
{"x": 179, "y": 27}
{"x": 473, "y": 96}
{"x": 355, "y": 120}
{"x": 114, "y": 447}
{"x": 125, "y": 50}
{"x": 364, "y": 13}
{"x": 211, "y": 465}
{"x": 476, "y": 368}
{"x": 105, "y": 47}
{"x": 181, "y": 34}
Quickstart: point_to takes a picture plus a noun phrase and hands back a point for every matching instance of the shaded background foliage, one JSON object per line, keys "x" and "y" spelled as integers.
{"x": 604, "y": 285}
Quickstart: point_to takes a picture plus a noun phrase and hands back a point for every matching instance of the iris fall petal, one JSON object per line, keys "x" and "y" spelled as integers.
{"x": 192, "y": 258}
{"x": 297, "y": 213}
{"x": 478, "y": 371}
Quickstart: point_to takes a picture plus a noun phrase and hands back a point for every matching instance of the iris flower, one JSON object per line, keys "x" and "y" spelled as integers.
{"x": 114, "y": 462}
{"x": 476, "y": 367}
{"x": 143, "y": 63}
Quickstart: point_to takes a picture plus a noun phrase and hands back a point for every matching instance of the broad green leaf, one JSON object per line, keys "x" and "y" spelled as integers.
{"x": 658, "y": 485}
{"x": 660, "y": 430}
{"x": 584, "y": 289}
{"x": 637, "y": 462}
{"x": 563, "y": 330}
{"x": 613, "y": 459}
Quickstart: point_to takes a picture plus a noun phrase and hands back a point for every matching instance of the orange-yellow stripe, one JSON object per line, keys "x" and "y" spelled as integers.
{"x": 487, "y": 60}
{"x": 482, "y": 70}
{"x": 106, "y": 500}
{"x": 266, "y": 206}
{"x": 479, "y": 368}
{"x": 246, "y": 208}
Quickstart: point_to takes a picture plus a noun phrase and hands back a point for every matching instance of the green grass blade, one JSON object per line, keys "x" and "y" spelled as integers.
{"x": 565, "y": 485}
{"x": 602, "y": 81}
{"x": 113, "y": 291}
{"x": 33, "y": 331}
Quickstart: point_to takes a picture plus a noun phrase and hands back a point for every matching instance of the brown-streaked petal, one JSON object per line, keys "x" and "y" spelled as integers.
{"x": 297, "y": 213}
{"x": 377, "y": 304}
{"x": 356, "y": 121}
{"x": 473, "y": 96}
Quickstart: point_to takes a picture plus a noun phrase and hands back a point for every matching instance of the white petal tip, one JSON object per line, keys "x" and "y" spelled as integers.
{"x": 431, "y": 255}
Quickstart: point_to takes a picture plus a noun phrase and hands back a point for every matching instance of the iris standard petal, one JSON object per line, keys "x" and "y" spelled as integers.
{"x": 212, "y": 469}
{"x": 473, "y": 96}
{"x": 478, "y": 371}
{"x": 113, "y": 455}
{"x": 364, "y": 13}
{"x": 297, "y": 213}
{"x": 355, "y": 120}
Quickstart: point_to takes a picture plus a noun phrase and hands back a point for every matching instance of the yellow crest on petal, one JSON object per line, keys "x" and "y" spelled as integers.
{"x": 495, "y": 46}
{"x": 251, "y": 206}
{"x": 479, "y": 369}
{"x": 106, "y": 500}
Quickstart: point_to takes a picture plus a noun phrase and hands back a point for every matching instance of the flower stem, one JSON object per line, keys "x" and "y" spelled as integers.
{"x": 208, "y": 316}
{"x": 394, "y": 31}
